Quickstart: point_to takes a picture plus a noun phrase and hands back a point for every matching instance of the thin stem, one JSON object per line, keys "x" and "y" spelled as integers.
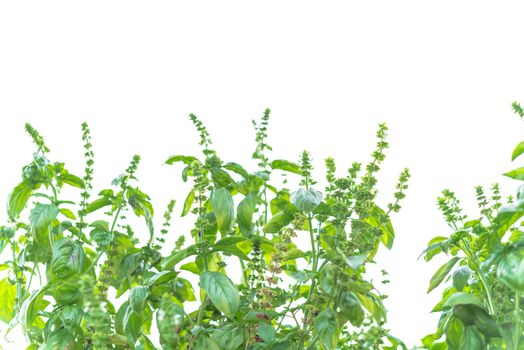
{"x": 516, "y": 333}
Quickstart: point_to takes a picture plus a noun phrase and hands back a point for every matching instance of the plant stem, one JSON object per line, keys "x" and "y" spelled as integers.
{"x": 516, "y": 333}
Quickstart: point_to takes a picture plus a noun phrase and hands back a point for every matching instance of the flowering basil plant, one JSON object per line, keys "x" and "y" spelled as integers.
{"x": 76, "y": 275}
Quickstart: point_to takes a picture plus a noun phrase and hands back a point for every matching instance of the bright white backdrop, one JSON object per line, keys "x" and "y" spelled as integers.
{"x": 442, "y": 75}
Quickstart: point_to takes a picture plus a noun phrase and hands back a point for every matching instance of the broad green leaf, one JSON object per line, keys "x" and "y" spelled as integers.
{"x": 68, "y": 213}
{"x": 266, "y": 332}
{"x": 507, "y": 216}
{"x": 60, "y": 339}
{"x": 188, "y": 203}
{"x": 245, "y": 211}
{"x": 204, "y": 342}
{"x": 461, "y": 276}
{"x": 184, "y": 159}
{"x": 223, "y": 207}
{"x": 67, "y": 259}
{"x": 41, "y": 218}
{"x": 518, "y": 151}
{"x": 160, "y": 278}
{"x": 221, "y": 291}
{"x": 278, "y": 221}
{"x": 177, "y": 257}
{"x": 454, "y": 330}
{"x": 229, "y": 336}
{"x": 138, "y": 297}
{"x": 355, "y": 261}
{"x": 510, "y": 270}
{"x": 67, "y": 293}
{"x": 472, "y": 339}
{"x": 98, "y": 203}
{"x": 441, "y": 273}
{"x": 132, "y": 325}
{"x": 286, "y": 165}
{"x": 463, "y": 299}
{"x": 72, "y": 180}
{"x": 237, "y": 168}
{"x": 517, "y": 174}
{"x": 30, "y": 307}
{"x": 326, "y": 328}
{"x": 18, "y": 198}
{"x": 169, "y": 321}
{"x": 7, "y": 300}
{"x": 220, "y": 177}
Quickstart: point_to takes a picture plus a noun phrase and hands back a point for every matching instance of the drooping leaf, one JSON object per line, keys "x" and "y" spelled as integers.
{"x": 67, "y": 259}
{"x": 245, "y": 211}
{"x": 517, "y": 151}
{"x": 278, "y": 221}
{"x": 188, "y": 203}
{"x": 510, "y": 270}
{"x": 60, "y": 339}
{"x": 72, "y": 180}
{"x": 223, "y": 207}
{"x": 286, "y": 165}
{"x": 41, "y": 217}
{"x": 7, "y": 300}
{"x": 472, "y": 339}
{"x": 237, "y": 168}
{"x": 179, "y": 158}
{"x": 441, "y": 273}
{"x": 138, "y": 297}
{"x": 98, "y": 203}
{"x": 221, "y": 291}
{"x": 327, "y": 328}
{"x": 461, "y": 276}
{"x": 517, "y": 174}
{"x": 18, "y": 198}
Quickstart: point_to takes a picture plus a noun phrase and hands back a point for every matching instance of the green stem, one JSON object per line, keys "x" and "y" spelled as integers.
{"x": 516, "y": 333}
{"x": 476, "y": 264}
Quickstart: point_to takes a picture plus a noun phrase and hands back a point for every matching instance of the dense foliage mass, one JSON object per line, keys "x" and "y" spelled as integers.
{"x": 481, "y": 308}
{"x": 77, "y": 276}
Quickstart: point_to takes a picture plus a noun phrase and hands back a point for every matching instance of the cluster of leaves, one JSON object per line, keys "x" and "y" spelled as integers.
{"x": 101, "y": 287}
{"x": 481, "y": 308}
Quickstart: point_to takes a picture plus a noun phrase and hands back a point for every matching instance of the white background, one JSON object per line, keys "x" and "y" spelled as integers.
{"x": 441, "y": 74}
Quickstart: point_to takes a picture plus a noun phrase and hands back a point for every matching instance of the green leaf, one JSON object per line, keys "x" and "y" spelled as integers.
{"x": 160, "y": 278}
{"x": 30, "y": 307}
{"x": 472, "y": 339}
{"x": 517, "y": 174}
{"x": 177, "y": 257}
{"x": 18, "y": 198}
{"x": 463, "y": 299}
{"x": 41, "y": 218}
{"x": 67, "y": 259}
{"x": 188, "y": 203}
{"x": 327, "y": 328}
{"x": 98, "y": 203}
{"x": 223, "y": 207}
{"x": 221, "y": 291}
{"x": 138, "y": 297}
{"x": 441, "y": 273}
{"x": 229, "y": 336}
{"x": 266, "y": 332}
{"x": 507, "y": 216}
{"x": 461, "y": 276}
{"x": 204, "y": 342}
{"x": 220, "y": 177}
{"x": 518, "y": 151}
{"x": 510, "y": 271}
{"x": 7, "y": 300}
{"x": 355, "y": 261}
{"x": 178, "y": 158}
{"x": 237, "y": 168}
{"x": 132, "y": 325}
{"x": 72, "y": 180}
{"x": 68, "y": 213}
{"x": 286, "y": 165}
{"x": 279, "y": 220}
{"x": 245, "y": 211}
{"x": 60, "y": 339}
